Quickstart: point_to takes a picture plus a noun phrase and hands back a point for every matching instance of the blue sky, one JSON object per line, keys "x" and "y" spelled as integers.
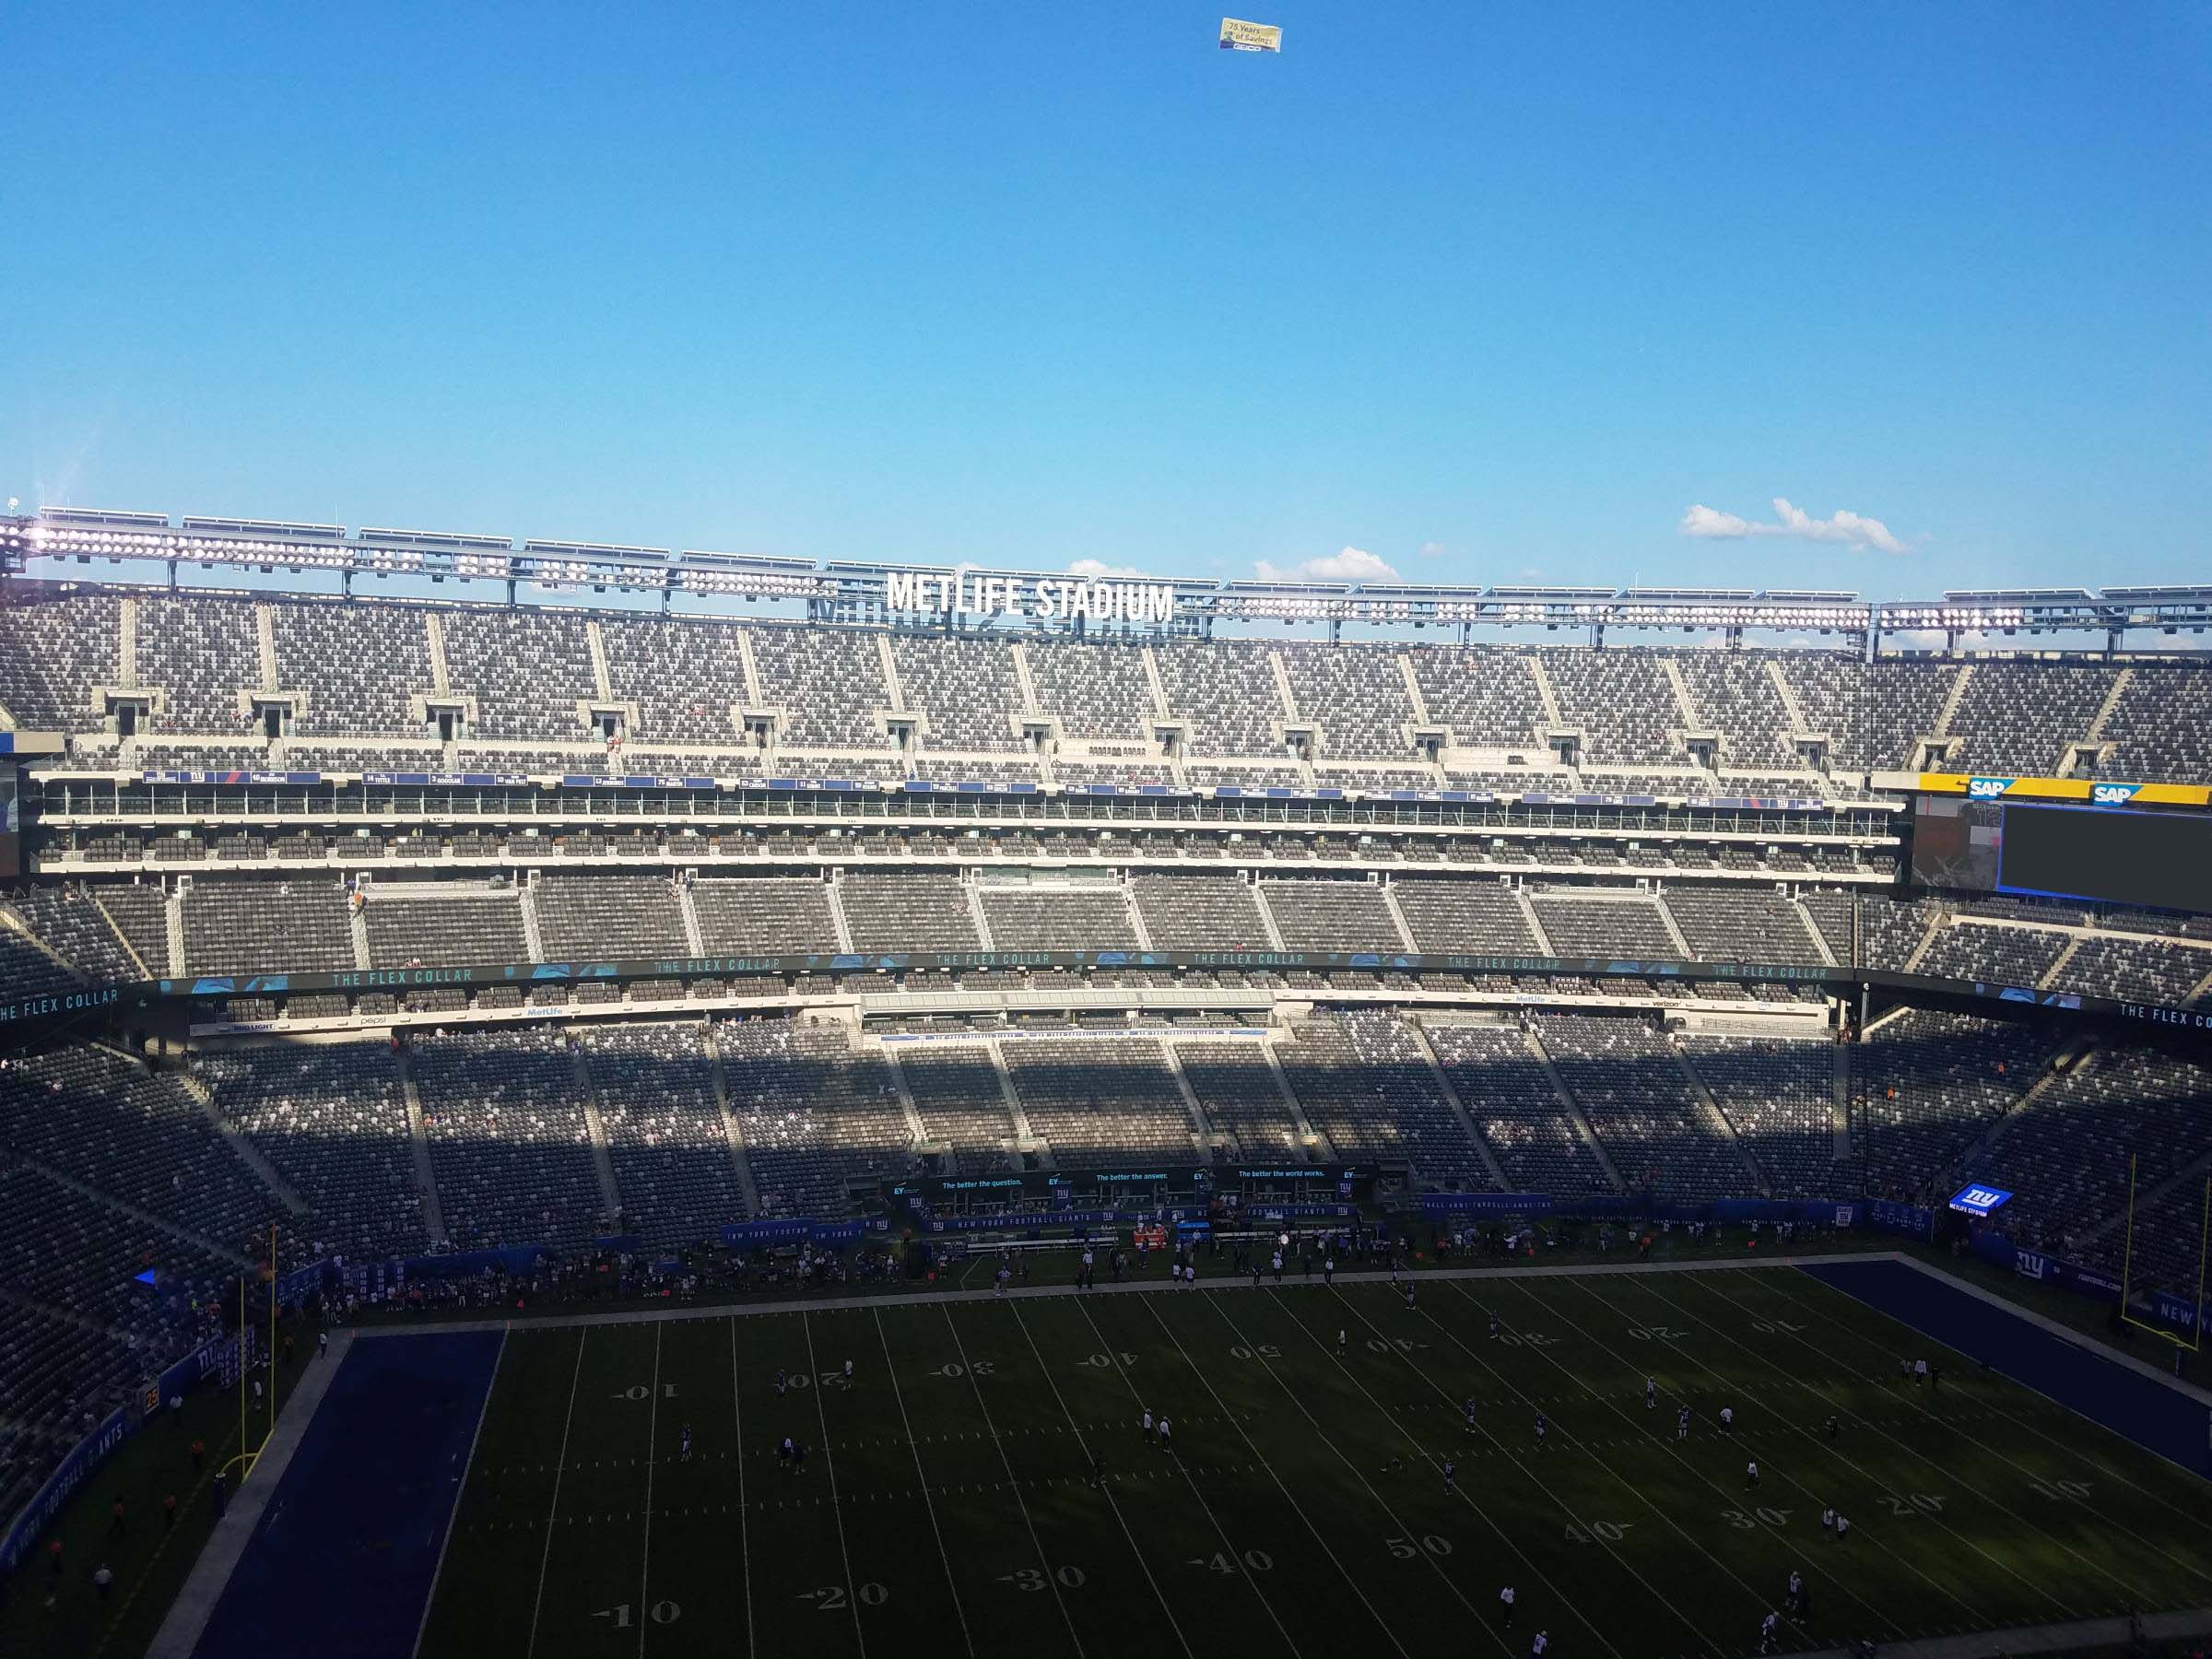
{"x": 1490, "y": 294}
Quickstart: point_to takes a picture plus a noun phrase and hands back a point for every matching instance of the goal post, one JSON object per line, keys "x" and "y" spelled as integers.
{"x": 2194, "y": 1340}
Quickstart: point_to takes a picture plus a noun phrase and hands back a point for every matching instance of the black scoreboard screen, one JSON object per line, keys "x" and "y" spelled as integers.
{"x": 2154, "y": 859}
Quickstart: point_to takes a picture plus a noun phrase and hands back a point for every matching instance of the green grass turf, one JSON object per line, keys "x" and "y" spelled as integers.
{"x": 150, "y": 1560}
{"x": 948, "y": 1504}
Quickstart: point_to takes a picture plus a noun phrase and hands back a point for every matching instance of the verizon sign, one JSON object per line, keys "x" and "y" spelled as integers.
{"x": 1045, "y": 598}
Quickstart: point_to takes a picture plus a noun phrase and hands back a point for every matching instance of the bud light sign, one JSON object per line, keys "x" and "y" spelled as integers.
{"x": 1979, "y": 1201}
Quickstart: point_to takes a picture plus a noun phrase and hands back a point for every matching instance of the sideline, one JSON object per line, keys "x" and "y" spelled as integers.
{"x": 2088, "y": 1344}
{"x": 226, "y": 1546}
{"x": 2038, "y": 1639}
{"x": 1223, "y": 1281}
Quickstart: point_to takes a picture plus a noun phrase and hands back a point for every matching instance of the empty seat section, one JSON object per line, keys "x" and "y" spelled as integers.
{"x": 665, "y": 1131}
{"x": 332, "y": 1120}
{"x": 1225, "y": 695}
{"x": 826, "y": 684}
{"x": 1741, "y": 924}
{"x": 1509, "y": 1095}
{"x": 528, "y": 672}
{"x": 1354, "y": 695}
{"x": 1781, "y": 1099}
{"x": 510, "y": 1149}
{"x": 685, "y": 676}
{"x": 1624, "y": 1077}
{"x": 448, "y": 931}
{"x": 244, "y": 925}
{"x": 1100, "y": 692}
{"x": 969, "y": 688}
{"x": 1449, "y": 917}
{"x": 1237, "y": 1090}
{"x": 1332, "y": 915}
{"x": 1100, "y": 1101}
{"x": 1584, "y": 924}
{"x": 1199, "y": 913}
{"x": 956, "y": 1092}
{"x": 814, "y": 1114}
{"x": 1486, "y": 697}
{"x": 360, "y": 664}
{"x": 921, "y": 910}
{"x": 768, "y": 916}
{"x": 608, "y": 916}
{"x": 1069, "y": 918}
{"x": 1365, "y": 1083}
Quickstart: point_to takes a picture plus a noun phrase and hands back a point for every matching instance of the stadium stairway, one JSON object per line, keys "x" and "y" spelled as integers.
{"x": 1308, "y": 1135}
{"x": 418, "y": 1141}
{"x": 1573, "y": 1109}
{"x": 610, "y": 1194}
{"x": 61, "y": 1178}
{"x": 733, "y": 1130}
{"x": 1459, "y": 1108}
{"x": 1840, "y": 1101}
{"x": 240, "y": 1145}
{"x": 1761, "y": 1178}
{"x": 1202, "y": 1135}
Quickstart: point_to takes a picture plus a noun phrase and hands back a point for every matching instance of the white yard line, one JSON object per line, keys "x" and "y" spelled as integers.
{"x": 1810, "y": 1497}
{"x": 2135, "y": 1595}
{"x": 1505, "y": 1537}
{"x": 1230, "y": 1417}
{"x": 1564, "y": 1508}
{"x": 453, "y": 1521}
{"x": 1173, "y": 1623}
{"x": 814, "y": 1381}
{"x": 1220, "y": 1532}
{"x": 745, "y": 1556}
{"x": 652, "y": 1425}
{"x": 891, "y": 1366}
{"x": 1381, "y": 1502}
{"x": 1043, "y": 1562}
{"x": 553, "y": 1513}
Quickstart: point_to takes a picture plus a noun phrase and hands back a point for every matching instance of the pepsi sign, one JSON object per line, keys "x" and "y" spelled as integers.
{"x": 1979, "y": 1201}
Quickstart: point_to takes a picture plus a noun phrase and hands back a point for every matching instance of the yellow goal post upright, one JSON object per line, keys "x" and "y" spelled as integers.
{"x": 2127, "y": 1266}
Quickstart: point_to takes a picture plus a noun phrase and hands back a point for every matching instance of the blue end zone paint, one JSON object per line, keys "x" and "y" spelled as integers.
{"x": 348, "y": 1544}
{"x": 2163, "y": 1420}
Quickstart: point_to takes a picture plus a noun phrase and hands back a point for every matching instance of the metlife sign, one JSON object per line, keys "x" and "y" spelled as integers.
{"x": 1979, "y": 1201}
{"x": 1043, "y": 598}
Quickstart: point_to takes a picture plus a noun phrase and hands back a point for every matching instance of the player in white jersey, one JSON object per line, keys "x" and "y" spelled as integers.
{"x": 1751, "y": 1476}
{"x": 1147, "y": 1425}
{"x": 1505, "y": 1606}
{"x": 1650, "y": 1394}
{"x": 1727, "y": 1419}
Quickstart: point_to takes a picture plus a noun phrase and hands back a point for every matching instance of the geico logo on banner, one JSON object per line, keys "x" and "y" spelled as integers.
{"x": 2027, "y": 1264}
{"x": 2112, "y": 794}
{"x": 1987, "y": 789}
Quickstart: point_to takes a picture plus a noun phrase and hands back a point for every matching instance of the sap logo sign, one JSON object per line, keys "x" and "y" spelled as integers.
{"x": 2112, "y": 794}
{"x": 1987, "y": 789}
{"x": 2029, "y": 1265}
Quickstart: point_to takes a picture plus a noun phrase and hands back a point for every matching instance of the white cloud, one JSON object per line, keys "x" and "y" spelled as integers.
{"x": 1851, "y": 529}
{"x": 1433, "y": 549}
{"x": 1095, "y": 568}
{"x": 1353, "y": 564}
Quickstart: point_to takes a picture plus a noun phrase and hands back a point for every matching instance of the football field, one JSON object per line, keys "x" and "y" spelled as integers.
{"x": 983, "y": 1485}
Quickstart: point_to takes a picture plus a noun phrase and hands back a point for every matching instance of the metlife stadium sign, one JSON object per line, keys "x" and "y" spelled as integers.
{"x": 1041, "y": 598}
{"x": 1980, "y": 1202}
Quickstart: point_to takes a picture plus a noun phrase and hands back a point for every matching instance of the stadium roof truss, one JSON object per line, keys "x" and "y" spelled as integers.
{"x": 907, "y": 595}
